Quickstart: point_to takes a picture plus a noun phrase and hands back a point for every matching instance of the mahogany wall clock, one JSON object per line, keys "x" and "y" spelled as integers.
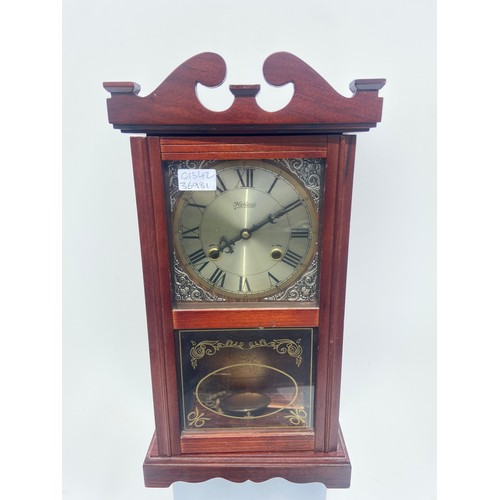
{"x": 244, "y": 225}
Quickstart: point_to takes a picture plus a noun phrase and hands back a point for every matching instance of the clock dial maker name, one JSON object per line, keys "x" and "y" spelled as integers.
{"x": 251, "y": 237}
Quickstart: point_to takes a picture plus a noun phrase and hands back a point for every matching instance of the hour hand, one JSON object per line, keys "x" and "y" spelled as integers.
{"x": 225, "y": 246}
{"x": 229, "y": 249}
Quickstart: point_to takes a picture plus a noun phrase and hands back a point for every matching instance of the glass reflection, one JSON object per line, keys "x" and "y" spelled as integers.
{"x": 246, "y": 378}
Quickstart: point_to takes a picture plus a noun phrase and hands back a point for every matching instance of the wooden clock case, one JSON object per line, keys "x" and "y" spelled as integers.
{"x": 178, "y": 127}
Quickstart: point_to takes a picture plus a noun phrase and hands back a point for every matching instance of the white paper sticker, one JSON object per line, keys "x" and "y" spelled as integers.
{"x": 197, "y": 179}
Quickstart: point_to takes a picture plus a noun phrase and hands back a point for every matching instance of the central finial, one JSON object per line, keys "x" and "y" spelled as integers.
{"x": 245, "y": 90}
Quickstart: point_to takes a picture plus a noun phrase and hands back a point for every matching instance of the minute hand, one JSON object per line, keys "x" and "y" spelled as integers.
{"x": 272, "y": 217}
{"x": 246, "y": 233}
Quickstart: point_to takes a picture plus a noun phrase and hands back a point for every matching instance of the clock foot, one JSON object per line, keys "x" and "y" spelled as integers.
{"x": 331, "y": 469}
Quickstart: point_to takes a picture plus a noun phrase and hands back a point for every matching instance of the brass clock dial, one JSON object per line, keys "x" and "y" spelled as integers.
{"x": 251, "y": 237}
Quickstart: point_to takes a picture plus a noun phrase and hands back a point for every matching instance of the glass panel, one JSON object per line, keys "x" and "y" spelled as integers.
{"x": 252, "y": 238}
{"x": 246, "y": 378}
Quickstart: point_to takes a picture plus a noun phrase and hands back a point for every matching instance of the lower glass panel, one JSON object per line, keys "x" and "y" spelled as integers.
{"x": 252, "y": 378}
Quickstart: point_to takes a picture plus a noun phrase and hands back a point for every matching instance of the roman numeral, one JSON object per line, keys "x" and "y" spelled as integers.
{"x": 202, "y": 266}
{"x": 291, "y": 258}
{"x": 218, "y": 277}
{"x": 197, "y": 257}
{"x": 272, "y": 185}
{"x": 245, "y": 176}
{"x": 299, "y": 232}
{"x": 244, "y": 285}
{"x": 197, "y": 205}
{"x": 220, "y": 185}
{"x": 191, "y": 234}
{"x": 272, "y": 278}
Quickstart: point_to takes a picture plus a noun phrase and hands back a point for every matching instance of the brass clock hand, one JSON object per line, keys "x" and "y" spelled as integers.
{"x": 277, "y": 214}
{"x": 245, "y": 233}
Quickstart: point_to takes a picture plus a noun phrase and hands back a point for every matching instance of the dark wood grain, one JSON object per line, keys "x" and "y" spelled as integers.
{"x": 173, "y": 108}
{"x": 262, "y": 318}
{"x": 227, "y": 148}
{"x": 327, "y": 249}
{"x": 164, "y": 298}
{"x": 243, "y": 442}
{"x": 338, "y": 286}
{"x": 332, "y": 469}
{"x": 147, "y": 232}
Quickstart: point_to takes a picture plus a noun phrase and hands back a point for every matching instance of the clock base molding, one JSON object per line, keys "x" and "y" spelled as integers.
{"x": 332, "y": 469}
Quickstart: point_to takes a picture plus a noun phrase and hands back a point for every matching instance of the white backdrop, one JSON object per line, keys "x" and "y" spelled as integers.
{"x": 388, "y": 391}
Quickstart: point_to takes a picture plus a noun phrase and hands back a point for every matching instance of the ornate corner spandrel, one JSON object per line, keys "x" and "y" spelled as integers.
{"x": 174, "y": 108}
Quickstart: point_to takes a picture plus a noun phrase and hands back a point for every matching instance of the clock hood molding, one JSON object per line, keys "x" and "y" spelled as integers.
{"x": 174, "y": 108}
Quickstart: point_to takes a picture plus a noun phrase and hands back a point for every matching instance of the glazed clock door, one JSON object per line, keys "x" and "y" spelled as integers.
{"x": 246, "y": 380}
{"x": 249, "y": 240}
